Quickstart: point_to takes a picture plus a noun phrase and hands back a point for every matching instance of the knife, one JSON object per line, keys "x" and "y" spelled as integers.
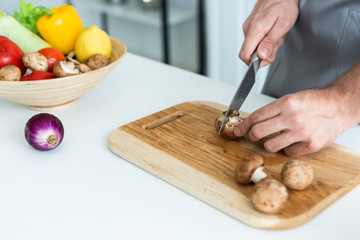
{"x": 244, "y": 88}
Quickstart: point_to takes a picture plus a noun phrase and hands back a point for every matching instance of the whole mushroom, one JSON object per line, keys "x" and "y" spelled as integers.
{"x": 250, "y": 169}
{"x": 97, "y": 61}
{"x": 228, "y": 129}
{"x": 10, "y": 73}
{"x": 36, "y": 61}
{"x": 269, "y": 196}
{"x": 297, "y": 174}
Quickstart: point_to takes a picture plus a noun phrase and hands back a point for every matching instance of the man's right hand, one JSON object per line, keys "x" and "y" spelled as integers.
{"x": 266, "y": 28}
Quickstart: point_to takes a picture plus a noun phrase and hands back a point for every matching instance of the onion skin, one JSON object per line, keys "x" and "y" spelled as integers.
{"x": 44, "y": 131}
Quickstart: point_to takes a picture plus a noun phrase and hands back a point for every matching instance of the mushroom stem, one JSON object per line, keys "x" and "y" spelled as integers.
{"x": 258, "y": 175}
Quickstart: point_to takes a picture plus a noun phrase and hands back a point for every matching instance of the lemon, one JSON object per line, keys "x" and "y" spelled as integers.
{"x": 91, "y": 41}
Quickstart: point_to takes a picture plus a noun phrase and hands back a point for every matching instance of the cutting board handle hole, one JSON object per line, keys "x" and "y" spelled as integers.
{"x": 163, "y": 120}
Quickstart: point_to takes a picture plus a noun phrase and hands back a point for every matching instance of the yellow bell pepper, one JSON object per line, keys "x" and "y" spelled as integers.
{"x": 62, "y": 28}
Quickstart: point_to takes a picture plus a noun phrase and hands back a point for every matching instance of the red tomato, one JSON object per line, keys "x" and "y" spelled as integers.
{"x": 10, "y": 59}
{"x": 9, "y": 46}
{"x": 3, "y": 38}
{"x": 11, "y": 54}
{"x": 37, "y": 75}
{"x": 52, "y": 55}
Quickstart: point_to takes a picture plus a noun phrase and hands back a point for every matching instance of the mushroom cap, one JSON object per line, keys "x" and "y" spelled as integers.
{"x": 228, "y": 129}
{"x": 297, "y": 174}
{"x": 36, "y": 61}
{"x": 10, "y": 73}
{"x": 97, "y": 61}
{"x": 246, "y": 167}
{"x": 269, "y": 196}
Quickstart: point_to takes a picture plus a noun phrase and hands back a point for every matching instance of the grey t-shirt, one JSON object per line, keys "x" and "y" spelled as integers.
{"x": 322, "y": 46}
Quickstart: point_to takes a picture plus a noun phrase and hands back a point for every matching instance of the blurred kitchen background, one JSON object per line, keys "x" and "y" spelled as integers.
{"x": 202, "y": 36}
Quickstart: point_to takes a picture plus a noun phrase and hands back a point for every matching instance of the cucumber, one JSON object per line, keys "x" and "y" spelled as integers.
{"x": 23, "y": 37}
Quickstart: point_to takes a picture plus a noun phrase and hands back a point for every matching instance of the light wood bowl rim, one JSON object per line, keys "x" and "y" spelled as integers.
{"x": 70, "y": 78}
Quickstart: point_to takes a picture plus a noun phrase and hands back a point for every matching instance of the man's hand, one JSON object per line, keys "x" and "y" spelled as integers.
{"x": 266, "y": 27}
{"x": 300, "y": 123}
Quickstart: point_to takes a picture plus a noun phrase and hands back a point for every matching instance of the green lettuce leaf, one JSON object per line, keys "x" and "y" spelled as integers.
{"x": 29, "y": 14}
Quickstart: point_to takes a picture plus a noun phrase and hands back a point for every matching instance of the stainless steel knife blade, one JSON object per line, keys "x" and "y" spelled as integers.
{"x": 243, "y": 89}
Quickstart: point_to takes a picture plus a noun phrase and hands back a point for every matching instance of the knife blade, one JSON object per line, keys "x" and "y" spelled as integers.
{"x": 244, "y": 88}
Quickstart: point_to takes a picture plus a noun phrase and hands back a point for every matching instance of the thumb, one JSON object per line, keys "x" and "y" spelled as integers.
{"x": 242, "y": 128}
{"x": 266, "y": 48}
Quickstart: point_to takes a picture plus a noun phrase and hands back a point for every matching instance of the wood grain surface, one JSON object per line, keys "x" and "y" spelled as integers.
{"x": 188, "y": 153}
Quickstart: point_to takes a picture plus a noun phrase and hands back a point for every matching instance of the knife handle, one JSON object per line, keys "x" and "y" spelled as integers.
{"x": 254, "y": 57}
{"x": 255, "y": 60}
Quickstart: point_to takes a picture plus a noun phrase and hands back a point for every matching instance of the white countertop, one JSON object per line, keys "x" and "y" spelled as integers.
{"x": 81, "y": 190}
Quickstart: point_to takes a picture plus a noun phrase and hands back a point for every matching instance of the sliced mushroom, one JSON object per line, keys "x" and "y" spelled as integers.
{"x": 70, "y": 57}
{"x": 228, "y": 129}
{"x": 83, "y": 68}
{"x": 297, "y": 174}
{"x": 250, "y": 169}
{"x": 35, "y": 61}
{"x": 269, "y": 196}
{"x": 10, "y": 73}
{"x": 73, "y": 60}
{"x": 65, "y": 68}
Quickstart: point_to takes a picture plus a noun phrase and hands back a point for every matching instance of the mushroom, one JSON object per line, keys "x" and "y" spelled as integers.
{"x": 83, "y": 68}
{"x": 65, "y": 68}
{"x": 10, "y": 73}
{"x": 269, "y": 196}
{"x": 36, "y": 61}
{"x": 97, "y": 61}
{"x": 250, "y": 169}
{"x": 297, "y": 174}
{"x": 228, "y": 129}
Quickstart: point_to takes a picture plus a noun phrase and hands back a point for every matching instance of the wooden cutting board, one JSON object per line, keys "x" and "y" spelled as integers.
{"x": 188, "y": 153}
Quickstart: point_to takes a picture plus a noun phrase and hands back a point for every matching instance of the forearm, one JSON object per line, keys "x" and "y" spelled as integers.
{"x": 347, "y": 90}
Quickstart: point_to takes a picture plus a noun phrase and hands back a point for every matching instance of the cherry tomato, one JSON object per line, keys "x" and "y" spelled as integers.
{"x": 53, "y": 56}
{"x": 37, "y": 75}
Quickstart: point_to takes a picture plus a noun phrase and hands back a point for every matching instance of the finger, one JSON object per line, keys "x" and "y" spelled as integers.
{"x": 283, "y": 140}
{"x": 243, "y": 128}
{"x": 280, "y": 42}
{"x": 272, "y": 38}
{"x": 264, "y": 63}
{"x": 245, "y": 26}
{"x": 266, "y": 112}
{"x": 310, "y": 145}
{"x": 248, "y": 48}
{"x": 259, "y": 115}
{"x": 255, "y": 32}
{"x": 297, "y": 149}
{"x": 266, "y": 128}
{"x": 273, "y": 54}
{"x": 270, "y": 59}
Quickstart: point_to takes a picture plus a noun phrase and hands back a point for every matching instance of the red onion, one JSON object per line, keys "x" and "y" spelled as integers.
{"x": 44, "y": 131}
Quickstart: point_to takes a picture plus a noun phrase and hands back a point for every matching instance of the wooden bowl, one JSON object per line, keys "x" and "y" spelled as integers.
{"x": 46, "y": 95}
